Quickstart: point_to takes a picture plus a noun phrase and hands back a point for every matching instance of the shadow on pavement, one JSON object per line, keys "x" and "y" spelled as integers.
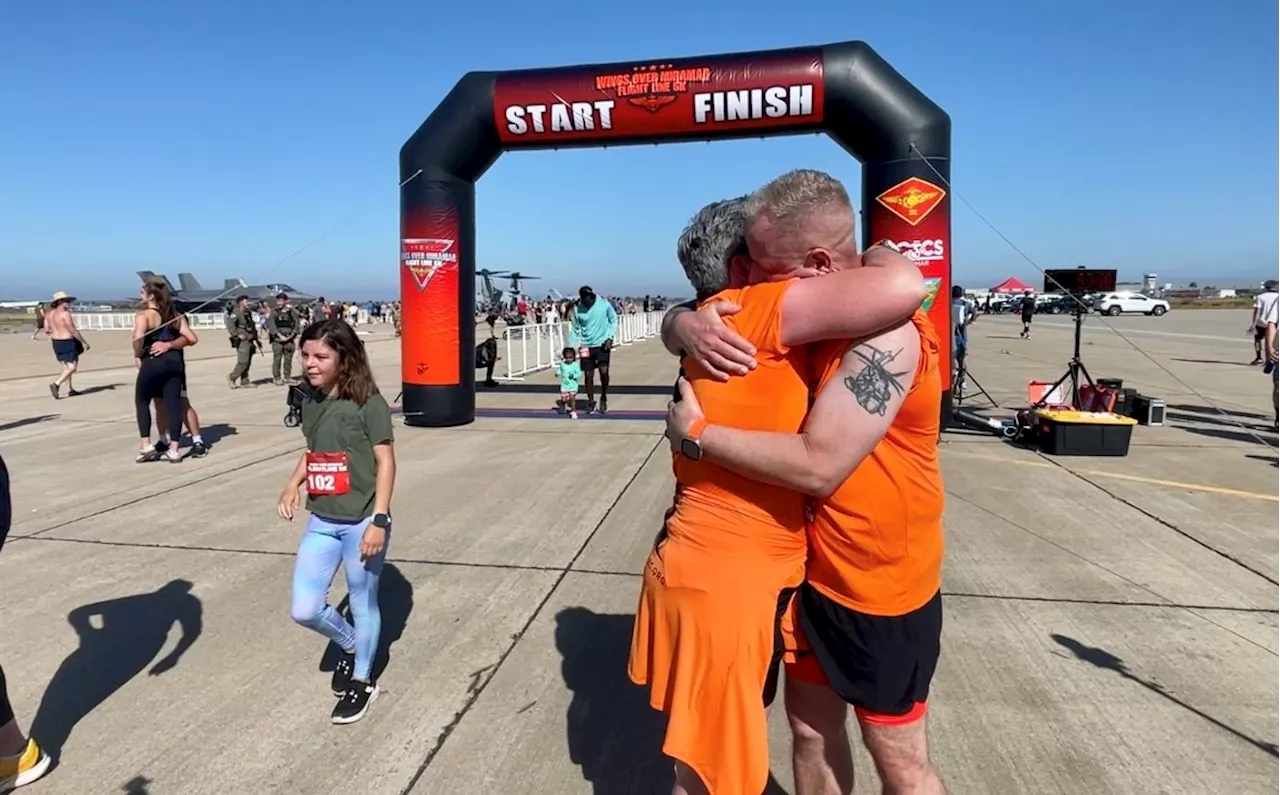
{"x": 212, "y": 434}
{"x": 1105, "y": 659}
{"x": 613, "y": 733}
{"x": 1219, "y": 420}
{"x": 1247, "y": 435}
{"x": 130, "y": 632}
{"x": 1213, "y": 411}
{"x": 92, "y": 389}
{"x": 395, "y": 602}
{"x": 1211, "y": 361}
{"x": 138, "y": 785}
{"x": 9, "y": 425}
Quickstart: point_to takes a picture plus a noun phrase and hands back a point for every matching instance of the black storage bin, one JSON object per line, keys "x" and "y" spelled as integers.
{"x": 1056, "y": 436}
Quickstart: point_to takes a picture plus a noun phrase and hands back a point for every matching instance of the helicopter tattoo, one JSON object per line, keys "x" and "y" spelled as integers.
{"x": 876, "y": 383}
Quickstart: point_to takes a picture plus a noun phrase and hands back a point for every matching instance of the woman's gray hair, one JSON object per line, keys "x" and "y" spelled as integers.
{"x": 714, "y": 235}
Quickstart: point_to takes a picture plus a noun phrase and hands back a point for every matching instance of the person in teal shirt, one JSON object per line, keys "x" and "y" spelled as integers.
{"x": 594, "y": 323}
{"x": 570, "y": 372}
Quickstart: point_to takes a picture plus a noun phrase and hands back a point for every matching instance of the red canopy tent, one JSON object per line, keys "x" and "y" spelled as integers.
{"x": 1011, "y": 285}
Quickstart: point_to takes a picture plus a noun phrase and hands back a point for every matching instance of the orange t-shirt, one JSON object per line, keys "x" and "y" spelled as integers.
{"x": 716, "y": 508}
{"x": 876, "y": 544}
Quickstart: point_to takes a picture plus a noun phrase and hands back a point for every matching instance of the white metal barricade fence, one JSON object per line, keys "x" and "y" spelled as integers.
{"x": 123, "y": 321}
{"x": 535, "y": 347}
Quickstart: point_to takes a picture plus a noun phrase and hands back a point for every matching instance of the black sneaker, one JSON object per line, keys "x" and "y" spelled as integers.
{"x": 591, "y": 407}
{"x": 604, "y": 405}
{"x": 355, "y": 702}
{"x": 198, "y": 450}
{"x": 342, "y": 672}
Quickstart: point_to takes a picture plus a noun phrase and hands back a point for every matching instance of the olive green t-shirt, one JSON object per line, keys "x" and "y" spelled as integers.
{"x": 333, "y": 425}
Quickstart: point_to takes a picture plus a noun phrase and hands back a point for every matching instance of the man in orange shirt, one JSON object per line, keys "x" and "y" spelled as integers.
{"x": 732, "y": 551}
{"x": 870, "y": 608}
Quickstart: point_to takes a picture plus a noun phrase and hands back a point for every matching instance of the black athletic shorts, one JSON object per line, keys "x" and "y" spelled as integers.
{"x": 882, "y": 665}
{"x": 1259, "y": 333}
{"x": 597, "y": 356}
{"x": 779, "y": 646}
{"x": 67, "y": 351}
{"x": 1026, "y": 317}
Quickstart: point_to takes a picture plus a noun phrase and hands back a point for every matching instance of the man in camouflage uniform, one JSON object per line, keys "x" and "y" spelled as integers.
{"x": 243, "y": 331}
{"x": 283, "y": 327}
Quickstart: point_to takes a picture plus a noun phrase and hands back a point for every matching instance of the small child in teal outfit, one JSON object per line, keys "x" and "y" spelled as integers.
{"x": 570, "y": 372}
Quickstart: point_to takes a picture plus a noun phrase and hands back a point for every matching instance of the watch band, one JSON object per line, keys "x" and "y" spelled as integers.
{"x": 889, "y": 244}
{"x": 694, "y": 432}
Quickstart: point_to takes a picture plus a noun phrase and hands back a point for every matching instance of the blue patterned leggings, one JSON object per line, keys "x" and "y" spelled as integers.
{"x": 325, "y": 545}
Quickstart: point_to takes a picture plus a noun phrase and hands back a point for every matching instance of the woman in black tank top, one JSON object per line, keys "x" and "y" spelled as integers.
{"x": 159, "y": 334}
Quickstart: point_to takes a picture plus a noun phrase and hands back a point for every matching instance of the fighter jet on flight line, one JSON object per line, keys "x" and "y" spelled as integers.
{"x": 192, "y": 295}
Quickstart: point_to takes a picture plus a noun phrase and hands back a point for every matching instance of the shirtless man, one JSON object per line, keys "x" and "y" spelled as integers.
{"x": 68, "y": 344}
{"x": 731, "y": 551}
{"x": 870, "y": 611}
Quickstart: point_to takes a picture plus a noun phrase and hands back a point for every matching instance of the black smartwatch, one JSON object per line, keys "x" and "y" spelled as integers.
{"x": 381, "y": 520}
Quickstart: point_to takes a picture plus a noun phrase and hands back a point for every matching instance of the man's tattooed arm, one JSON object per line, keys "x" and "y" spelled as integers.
{"x": 878, "y": 379}
{"x": 851, "y": 414}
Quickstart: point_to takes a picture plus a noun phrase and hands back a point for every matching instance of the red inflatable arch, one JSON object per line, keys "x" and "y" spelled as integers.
{"x": 846, "y": 90}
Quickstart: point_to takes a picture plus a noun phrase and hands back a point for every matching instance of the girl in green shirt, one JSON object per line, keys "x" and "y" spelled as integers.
{"x": 349, "y": 470}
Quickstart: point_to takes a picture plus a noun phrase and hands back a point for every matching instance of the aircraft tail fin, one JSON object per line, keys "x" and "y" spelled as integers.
{"x": 148, "y": 276}
{"x": 231, "y": 284}
{"x": 189, "y": 283}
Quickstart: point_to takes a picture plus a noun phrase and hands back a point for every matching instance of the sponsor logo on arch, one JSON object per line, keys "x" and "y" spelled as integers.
{"x": 920, "y": 251}
{"x": 659, "y": 100}
{"x": 912, "y": 199}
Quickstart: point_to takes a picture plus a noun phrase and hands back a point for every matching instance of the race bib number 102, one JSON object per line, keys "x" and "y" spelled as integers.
{"x": 328, "y": 474}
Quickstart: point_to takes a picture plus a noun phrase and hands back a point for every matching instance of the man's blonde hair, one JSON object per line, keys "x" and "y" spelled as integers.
{"x": 794, "y": 197}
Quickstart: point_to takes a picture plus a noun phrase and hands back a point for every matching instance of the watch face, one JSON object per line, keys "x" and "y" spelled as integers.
{"x": 690, "y": 449}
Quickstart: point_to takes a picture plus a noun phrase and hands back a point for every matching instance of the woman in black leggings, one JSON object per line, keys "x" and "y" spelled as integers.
{"x": 159, "y": 335}
{"x": 21, "y": 760}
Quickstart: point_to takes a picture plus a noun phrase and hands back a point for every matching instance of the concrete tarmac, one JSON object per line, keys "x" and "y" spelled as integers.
{"x": 1111, "y": 624}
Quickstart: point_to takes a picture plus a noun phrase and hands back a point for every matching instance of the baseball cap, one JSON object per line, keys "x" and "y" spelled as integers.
{"x": 585, "y": 291}
{"x": 1270, "y": 284}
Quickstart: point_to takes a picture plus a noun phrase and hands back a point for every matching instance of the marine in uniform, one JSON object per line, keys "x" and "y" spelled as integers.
{"x": 282, "y": 329}
{"x": 243, "y": 332}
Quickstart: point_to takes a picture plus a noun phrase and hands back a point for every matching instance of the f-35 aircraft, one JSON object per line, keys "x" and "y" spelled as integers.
{"x": 191, "y": 295}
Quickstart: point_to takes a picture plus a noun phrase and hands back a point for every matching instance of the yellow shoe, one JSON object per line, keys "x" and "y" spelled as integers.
{"x": 25, "y": 768}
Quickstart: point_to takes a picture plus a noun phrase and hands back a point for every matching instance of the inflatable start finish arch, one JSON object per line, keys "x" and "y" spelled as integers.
{"x": 902, "y": 139}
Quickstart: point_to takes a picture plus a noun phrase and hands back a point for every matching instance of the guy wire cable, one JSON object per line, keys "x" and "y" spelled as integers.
{"x": 307, "y": 247}
{"x": 1164, "y": 522}
{"x": 1101, "y": 318}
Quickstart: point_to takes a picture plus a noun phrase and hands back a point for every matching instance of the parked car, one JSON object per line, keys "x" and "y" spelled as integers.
{"x": 1116, "y": 303}
{"x": 1056, "y": 304}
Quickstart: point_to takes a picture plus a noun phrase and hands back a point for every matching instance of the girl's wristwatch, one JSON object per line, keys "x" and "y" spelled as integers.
{"x": 381, "y": 520}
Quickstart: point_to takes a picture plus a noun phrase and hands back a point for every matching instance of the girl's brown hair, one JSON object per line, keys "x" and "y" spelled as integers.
{"x": 355, "y": 378}
{"x": 159, "y": 292}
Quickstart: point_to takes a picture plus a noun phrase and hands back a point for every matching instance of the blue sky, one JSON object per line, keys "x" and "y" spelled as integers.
{"x": 219, "y": 138}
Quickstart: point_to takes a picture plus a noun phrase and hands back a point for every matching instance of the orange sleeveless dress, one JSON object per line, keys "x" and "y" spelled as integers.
{"x": 707, "y": 623}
